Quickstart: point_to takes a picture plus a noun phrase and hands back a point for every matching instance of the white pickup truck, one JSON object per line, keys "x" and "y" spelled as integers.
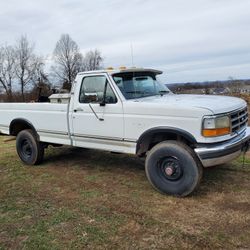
{"x": 129, "y": 111}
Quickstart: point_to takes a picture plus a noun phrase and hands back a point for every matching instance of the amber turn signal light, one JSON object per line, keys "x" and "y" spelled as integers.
{"x": 215, "y": 132}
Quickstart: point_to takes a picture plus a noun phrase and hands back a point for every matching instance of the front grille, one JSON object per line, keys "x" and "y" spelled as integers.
{"x": 239, "y": 119}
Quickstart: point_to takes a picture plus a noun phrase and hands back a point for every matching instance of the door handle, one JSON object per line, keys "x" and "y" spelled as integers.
{"x": 78, "y": 109}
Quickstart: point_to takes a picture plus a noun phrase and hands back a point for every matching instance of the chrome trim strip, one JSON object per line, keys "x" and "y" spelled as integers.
{"x": 104, "y": 142}
{"x": 102, "y": 138}
{"x": 98, "y": 137}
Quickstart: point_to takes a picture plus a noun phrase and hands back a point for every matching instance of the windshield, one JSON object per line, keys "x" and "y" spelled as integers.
{"x": 135, "y": 85}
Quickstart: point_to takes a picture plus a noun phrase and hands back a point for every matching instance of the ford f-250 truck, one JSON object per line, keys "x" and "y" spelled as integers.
{"x": 129, "y": 111}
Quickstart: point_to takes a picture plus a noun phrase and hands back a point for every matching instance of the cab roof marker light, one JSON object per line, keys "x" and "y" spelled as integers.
{"x": 122, "y": 68}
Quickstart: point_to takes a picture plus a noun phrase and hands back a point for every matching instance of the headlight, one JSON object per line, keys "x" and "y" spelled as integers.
{"x": 216, "y": 126}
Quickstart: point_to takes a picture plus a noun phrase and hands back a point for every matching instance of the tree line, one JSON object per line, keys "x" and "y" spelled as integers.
{"x": 234, "y": 86}
{"x": 22, "y": 70}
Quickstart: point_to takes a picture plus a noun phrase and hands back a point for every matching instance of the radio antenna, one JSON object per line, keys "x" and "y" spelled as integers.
{"x": 132, "y": 54}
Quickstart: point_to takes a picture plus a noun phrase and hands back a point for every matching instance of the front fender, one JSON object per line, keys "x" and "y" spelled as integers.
{"x": 144, "y": 140}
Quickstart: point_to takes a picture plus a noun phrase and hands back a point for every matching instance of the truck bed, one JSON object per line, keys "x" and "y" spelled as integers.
{"x": 49, "y": 120}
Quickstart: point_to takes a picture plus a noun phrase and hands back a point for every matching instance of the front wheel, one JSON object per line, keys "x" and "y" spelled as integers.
{"x": 172, "y": 169}
{"x": 29, "y": 150}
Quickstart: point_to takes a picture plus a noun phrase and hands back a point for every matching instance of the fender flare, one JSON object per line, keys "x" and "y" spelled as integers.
{"x": 140, "y": 147}
{"x": 26, "y": 123}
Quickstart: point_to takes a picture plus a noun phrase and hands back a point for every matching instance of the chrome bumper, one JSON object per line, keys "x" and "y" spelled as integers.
{"x": 219, "y": 153}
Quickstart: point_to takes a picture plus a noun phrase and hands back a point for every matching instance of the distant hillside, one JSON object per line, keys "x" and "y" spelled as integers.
{"x": 209, "y": 84}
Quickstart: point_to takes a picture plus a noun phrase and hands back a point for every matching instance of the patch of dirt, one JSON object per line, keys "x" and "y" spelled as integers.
{"x": 237, "y": 206}
{"x": 130, "y": 226}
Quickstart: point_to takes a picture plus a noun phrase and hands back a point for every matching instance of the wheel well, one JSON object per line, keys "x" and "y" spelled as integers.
{"x": 149, "y": 141}
{"x": 18, "y": 125}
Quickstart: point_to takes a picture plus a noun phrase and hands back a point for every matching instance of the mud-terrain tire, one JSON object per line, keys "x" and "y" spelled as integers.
{"x": 28, "y": 148}
{"x": 172, "y": 168}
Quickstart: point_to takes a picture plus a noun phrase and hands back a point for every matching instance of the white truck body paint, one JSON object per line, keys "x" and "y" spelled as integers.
{"x": 120, "y": 124}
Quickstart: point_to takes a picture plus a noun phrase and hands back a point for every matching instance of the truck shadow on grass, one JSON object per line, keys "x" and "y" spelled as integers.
{"x": 71, "y": 156}
{"x": 231, "y": 177}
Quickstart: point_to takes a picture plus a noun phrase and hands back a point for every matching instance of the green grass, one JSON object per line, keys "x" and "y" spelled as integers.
{"x": 80, "y": 199}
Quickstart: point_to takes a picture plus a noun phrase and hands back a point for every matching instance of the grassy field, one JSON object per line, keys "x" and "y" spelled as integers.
{"x": 79, "y": 199}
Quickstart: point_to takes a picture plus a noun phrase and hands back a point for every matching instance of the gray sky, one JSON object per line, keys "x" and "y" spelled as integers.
{"x": 190, "y": 40}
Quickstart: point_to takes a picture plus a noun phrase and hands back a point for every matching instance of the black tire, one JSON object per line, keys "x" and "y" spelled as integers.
{"x": 172, "y": 168}
{"x": 29, "y": 150}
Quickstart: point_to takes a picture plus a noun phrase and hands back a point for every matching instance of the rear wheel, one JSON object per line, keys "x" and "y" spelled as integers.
{"x": 172, "y": 168}
{"x": 29, "y": 149}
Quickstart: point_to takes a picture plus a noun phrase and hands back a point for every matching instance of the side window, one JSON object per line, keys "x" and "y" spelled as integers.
{"x": 93, "y": 88}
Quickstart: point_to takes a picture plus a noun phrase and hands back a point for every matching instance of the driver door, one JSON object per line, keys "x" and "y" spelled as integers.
{"x": 97, "y": 122}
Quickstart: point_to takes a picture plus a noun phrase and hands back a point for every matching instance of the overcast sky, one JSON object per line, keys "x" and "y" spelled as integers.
{"x": 190, "y": 40}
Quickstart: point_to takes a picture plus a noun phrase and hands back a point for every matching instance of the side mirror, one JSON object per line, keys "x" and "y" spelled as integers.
{"x": 103, "y": 103}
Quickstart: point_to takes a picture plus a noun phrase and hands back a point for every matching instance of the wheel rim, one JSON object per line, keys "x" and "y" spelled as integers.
{"x": 26, "y": 149}
{"x": 170, "y": 168}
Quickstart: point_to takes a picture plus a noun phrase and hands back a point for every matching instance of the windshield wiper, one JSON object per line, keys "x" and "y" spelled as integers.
{"x": 162, "y": 92}
{"x": 134, "y": 92}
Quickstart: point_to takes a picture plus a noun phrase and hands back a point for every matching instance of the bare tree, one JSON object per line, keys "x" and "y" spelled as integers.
{"x": 26, "y": 63}
{"x": 7, "y": 69}
{"x": 68, "y": 60}
{"x": 92, "y": 60}
{"x": 42, "y": 85}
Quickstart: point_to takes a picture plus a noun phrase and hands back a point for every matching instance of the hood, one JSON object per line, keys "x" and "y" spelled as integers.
{"x": 213, "y": 103}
